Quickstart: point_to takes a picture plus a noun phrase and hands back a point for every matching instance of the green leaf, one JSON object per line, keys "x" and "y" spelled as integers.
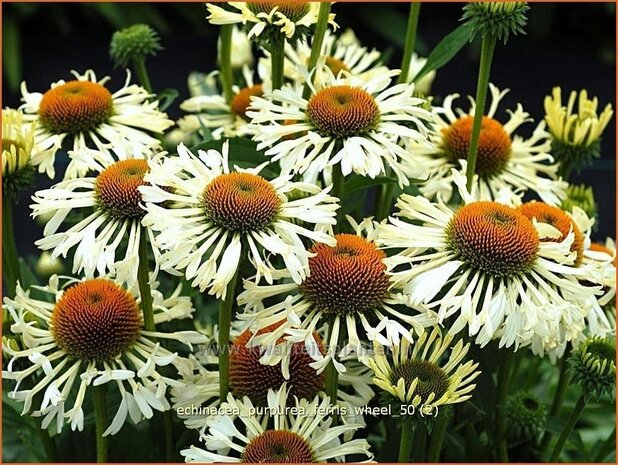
{"x": 11, "y": 58}
{"x": 166, "y": 97}
{"x": 446, "y": 50}
{"x": 357, "y": 183}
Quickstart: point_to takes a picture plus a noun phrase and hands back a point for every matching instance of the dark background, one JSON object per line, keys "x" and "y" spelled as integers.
{"x": 571, "y": 45}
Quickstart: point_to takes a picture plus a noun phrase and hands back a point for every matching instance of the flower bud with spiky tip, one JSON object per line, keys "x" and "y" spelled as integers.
{"x": 525, "y": 414}
{"x": 498, "y": 19}
{"x": 580, "y": 196}
{"x": 576, "y": 130}
{"x": 593, "y": 366}
{"x": 17, "y": 151}
{"x": 133, "y": 43}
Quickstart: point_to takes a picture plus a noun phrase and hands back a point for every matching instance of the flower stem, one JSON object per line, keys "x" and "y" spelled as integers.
{"x": 437, "y": 435}
{"x": 225, "y": 61}
{"x": 276, "y": 61}
{"x": 338, "y": 185}
{"x": 168, "y": 426}
{"x": 608, "y": 445}
{"x": 415, "y": 8}
{"x": 225, "y": 318}
{"x": 10, "y": 260}
{"x": 568, "y": 427}
{"x": 419, "y": 444}
{"x": 332, "y": 375}
{"x": 143, "y": 280}
{"x": 100, "y": 419}
{"x": 384, "y": 199}
{"x": 559, "y": 395}
{"x": 142, "y": 73}
{"x": 318, "y": 40}
{"x": 487, "y": 52}
{"x": 405, "y": 443}
{"x": 504, "y": 380}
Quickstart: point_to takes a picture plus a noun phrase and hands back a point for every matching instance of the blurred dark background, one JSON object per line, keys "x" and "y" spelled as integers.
{"x": 568, "y": 44}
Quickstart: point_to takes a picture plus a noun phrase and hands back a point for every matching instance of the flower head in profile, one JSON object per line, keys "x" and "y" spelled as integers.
{"x": 502, "y": 272}
{"x": 604, "y": 256}
{"x": 267, "y": 20}
{"x": 593, "y": 366}
{"x": 420, "y": 375}
{"x": 107, "y": 237}
{"x": 348, "y": 286}
{"x": 87, "y": 333}
{"x": 19, "y": 153}
{"x": 276, "y": 436}
{"x": 83, "y": 114}
{"x": 224, "y": 119}
{"x": 135, "y": 42}
{"x": 504, "y": 159}
{"x": 498, "y": 19}
{"x": 576, "y": 128}
{"x": 348, "y": 121}
{"x": 207, "y": 215}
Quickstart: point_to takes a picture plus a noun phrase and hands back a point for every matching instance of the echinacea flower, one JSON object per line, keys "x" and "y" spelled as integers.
{"x": 491, "y": 268}
{"x": 221, "y": 118}
{"x": 84, "y": 112}
{"x": 274, "y": 435}
{"x": 593, "y": 366}
{"x": 206, "y": 215}
{"x": 19, "y": 153}
{"x": 347, "y": 120}
{"x": 290, "y": 19}
{"x": 107, "y": 238}
{"x": 348, "y": 285}
{"x": 252, "y": 377}
{"x": 504, "y": 159}
{"x": 420, "y": 375}
{"x": 91, "y": 333}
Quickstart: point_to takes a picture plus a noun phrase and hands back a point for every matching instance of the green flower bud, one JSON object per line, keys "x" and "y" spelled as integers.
{"x": 593, "y": 366}
{"x": 133, "y": 43}
{"x": 580, "y": 196}
{"x": 525, "y": 414}
{"x": 498, "y": 19}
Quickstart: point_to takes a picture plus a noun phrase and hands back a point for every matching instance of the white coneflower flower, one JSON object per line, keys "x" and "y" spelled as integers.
{"x": 276, "y": 436}
{"x": 206, "y": 215}
{"x": 605, "y": 256}
{"x": 343, "y": 53}
{"x": 348, "y": 285}
{"x": 112, "y": 204}
{"x": 221, "y": 118}
{"x": 491, "y": 268}
{"x": 251, "y": 378}
{"x": 289, "y": 18}
{"x": 347, "y": 120}
{"x": 420, "y": 376}
{"x": 91, "y": 333}
{"x": 503, "y": 158}
{"x": 87, "y": 114}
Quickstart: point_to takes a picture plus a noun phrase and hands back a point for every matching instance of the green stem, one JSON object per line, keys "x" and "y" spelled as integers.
{"x": 225, "y": 318}
{"x": 487, "y": 52}
{"x": 419, "y": 444}
{"x": 318, "y": 40}
{"x": 225, "y": 61}
{"x": 568, "y": 428}
{"x": 143, "y": 280}
{"x": 559, "y": 395}
{"x": 384, "y": 199}
{"x": 142, "y": 73}
{"x": 437, "y": 436}
{"x": 10, "y": 260}
{"x": 338, "y": 186}
{"x": 608, "y": 445}
{"x": 504, "y": 380}
{"x": 405, "y": 444}
{"x": 100, "y": 419}
{"x": 415, "y": 9}
{"x": 332, "y": 375}
{"x": 276, "y": 61}
{"x": 168, "y": 426}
